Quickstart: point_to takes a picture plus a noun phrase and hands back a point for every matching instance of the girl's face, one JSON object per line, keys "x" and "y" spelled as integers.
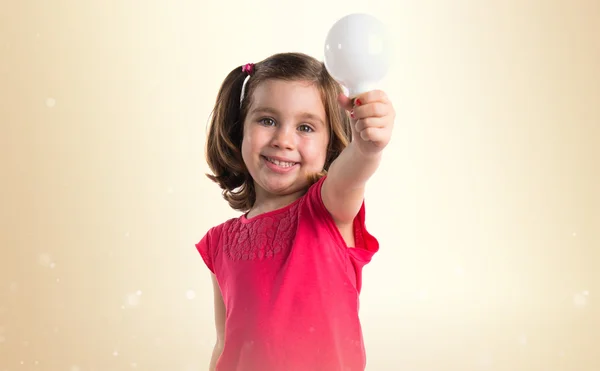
{"x": 285, "y": 137}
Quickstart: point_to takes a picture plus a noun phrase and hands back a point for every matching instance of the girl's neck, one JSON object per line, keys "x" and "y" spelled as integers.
{"x": 265, "y": 204}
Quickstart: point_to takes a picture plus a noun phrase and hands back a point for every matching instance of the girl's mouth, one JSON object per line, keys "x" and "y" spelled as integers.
{"x": 278, "y": 165}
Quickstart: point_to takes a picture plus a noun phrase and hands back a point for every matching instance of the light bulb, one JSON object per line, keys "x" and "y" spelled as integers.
{"x": 358, "y": 52}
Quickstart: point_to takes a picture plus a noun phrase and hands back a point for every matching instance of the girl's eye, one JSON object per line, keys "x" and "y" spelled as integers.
{"x": 267, "y": 121}
{"x": 306, "y": 128}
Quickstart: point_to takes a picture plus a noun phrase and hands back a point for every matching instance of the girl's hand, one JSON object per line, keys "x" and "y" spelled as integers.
{"x": 372, "y": 116}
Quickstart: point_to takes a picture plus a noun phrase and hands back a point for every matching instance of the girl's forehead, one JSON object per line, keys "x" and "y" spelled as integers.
{"x": 288, "y": 95}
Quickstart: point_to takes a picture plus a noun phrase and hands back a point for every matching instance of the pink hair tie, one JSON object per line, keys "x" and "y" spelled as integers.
{"x": 248, "y": 68}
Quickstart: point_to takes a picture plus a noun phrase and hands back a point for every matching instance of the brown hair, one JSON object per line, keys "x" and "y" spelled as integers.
{"x": 224, "y": 142}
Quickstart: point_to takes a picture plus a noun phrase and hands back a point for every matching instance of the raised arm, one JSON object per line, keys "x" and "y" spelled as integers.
{"x": 372, "y": 122}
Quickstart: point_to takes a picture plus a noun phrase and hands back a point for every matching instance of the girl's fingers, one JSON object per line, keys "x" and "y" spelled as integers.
{"x": 371, "y": 97}
{"x": 371, "y": 122}
{"x": 374, "y": 109}
{"x": 373, "y": 135}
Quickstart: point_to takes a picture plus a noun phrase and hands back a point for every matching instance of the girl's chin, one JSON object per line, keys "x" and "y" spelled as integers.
{"x": 283, "y": 186}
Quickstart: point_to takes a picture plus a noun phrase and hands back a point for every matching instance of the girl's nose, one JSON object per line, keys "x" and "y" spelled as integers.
{"x": 284, "y": 137}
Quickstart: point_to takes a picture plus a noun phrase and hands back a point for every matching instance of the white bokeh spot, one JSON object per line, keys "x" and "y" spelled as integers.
{"x": 580, "y": 299}
{"x": 459, "y": 270}
{"x": 523, "y": 340}
{"x": 45, "y": 260}
{"x": 13, "y": 287}
{"x": 485, "y": 361}
{"x": 133, "y": 300}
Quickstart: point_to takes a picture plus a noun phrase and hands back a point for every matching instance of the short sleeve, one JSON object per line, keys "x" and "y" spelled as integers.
{"x": 206, "y": 250}
{"x": 366, "y": 245}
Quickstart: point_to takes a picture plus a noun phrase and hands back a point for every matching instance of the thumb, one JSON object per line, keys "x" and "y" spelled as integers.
{"x": 345, "y": 102}
{"x": 348, "y": 104}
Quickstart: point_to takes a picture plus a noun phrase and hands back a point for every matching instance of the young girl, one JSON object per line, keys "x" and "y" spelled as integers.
{"x": 293, "y": 154}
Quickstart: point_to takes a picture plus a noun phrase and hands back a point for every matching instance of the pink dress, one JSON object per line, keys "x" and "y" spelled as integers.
{"x": 291, "y": 288}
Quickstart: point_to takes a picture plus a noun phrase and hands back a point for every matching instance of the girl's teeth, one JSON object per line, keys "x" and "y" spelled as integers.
{"x": 280, "y": 163}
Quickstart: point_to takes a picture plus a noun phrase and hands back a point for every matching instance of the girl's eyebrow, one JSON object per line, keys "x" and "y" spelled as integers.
{"x": 268, "y": 110}
{"x": 273, "y": 111}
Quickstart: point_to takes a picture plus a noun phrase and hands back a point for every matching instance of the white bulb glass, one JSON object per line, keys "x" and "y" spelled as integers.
{"x": 358, "y": 52}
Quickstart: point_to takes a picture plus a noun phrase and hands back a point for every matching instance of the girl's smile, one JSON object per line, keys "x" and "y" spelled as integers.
{"x": 280, "y": 165}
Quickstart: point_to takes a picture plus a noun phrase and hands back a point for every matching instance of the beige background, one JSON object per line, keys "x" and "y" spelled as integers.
{"x": 487, "y": 205}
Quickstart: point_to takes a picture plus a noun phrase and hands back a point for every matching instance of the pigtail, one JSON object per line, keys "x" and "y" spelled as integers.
{"x": 224, "y": 142}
